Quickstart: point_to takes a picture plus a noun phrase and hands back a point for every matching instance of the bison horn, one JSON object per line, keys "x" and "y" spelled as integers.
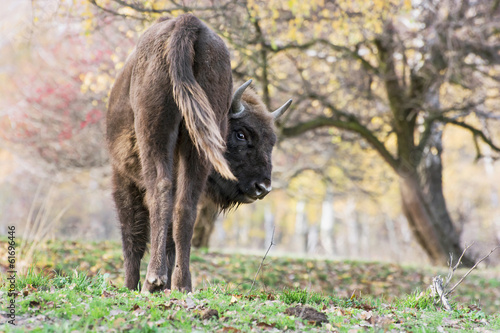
{"x": 236, "y": 105}
{"x": 279, "y": 111}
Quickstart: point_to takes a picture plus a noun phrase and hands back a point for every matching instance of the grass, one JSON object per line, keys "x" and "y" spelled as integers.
{"x": 82, "y": 303}
{"x": 417, "y": 300}
{"x": 77, "y": 287}
{"x": 298, "y": 295}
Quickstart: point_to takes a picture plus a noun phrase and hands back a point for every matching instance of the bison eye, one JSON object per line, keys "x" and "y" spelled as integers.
{"x": 240, "y": 136}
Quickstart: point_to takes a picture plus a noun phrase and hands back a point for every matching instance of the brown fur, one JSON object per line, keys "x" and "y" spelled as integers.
{"x": 167, "y": 131}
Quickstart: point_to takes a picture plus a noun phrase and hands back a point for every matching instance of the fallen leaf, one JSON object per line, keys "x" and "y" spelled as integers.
{"x": 190, "y": 303}
{"x": 119, "y": 322}
{"x": 265, "y": 326}
{"x": 28, "y": 290}
{"x": 307, "y": 313}
{"x": 448, "y": 322}
{"x": 116, "y": 312}
{"x": 365, "y": 315}
{"x": 233, "y": 300}
{"x": 474, "y": 307}
{"x": 209, "y": 314}
{"x": 329, "y": 327}
{"x": 34, "y": 304}
{"x": 172, "y": 316}
{"x": 159, "y": 322}
{"x": 137, "y": 310}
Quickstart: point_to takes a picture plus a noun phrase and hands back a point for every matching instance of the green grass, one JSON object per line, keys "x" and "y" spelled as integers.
{"x": 417, "y": 300}
{"x": 79, "y": 287}
{"x": 298, "y": 295}
{"x": 81, "y": 303}
{"x": 31, "y": 278}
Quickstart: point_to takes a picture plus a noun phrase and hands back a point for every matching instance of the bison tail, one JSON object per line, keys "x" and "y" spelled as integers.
{"x": 191, "y": 99}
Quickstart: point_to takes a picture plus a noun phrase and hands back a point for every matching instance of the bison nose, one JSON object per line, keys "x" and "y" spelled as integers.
{"x": 262, "y": 189}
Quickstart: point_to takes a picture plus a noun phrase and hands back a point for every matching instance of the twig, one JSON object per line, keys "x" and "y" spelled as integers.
{"x": 454, "y": 268}
{"x": 437, "y": 283}
{"x": 262, "y": 262}
{"x": 470, "y": 270}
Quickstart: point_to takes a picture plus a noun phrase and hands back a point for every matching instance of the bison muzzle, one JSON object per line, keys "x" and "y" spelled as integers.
{"x": 175, "y": 130}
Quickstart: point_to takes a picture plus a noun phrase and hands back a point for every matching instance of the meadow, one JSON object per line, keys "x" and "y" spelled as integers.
{"x": 78, "y": 287}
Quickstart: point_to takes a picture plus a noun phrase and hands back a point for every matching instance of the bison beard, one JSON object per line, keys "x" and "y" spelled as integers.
{"x": 173, "y": 132}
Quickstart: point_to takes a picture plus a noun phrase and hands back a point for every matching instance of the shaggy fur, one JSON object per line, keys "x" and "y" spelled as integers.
{"x": 168, "y": 125}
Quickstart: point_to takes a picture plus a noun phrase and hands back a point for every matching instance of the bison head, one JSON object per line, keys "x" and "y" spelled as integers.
{"x": 250, "y": 141}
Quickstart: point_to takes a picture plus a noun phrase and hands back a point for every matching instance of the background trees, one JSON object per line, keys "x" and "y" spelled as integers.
{"x": 384, "y": 77}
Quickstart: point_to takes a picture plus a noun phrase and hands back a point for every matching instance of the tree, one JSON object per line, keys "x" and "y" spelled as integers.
{"x": 55, "y": 103}
{"x": 412, "y": 66}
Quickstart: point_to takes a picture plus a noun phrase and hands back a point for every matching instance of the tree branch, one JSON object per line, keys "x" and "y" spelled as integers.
{"x": 264, "y": 65}
{"x": 353, "y": 53}
{"x": 472, "y": 129}
{"x": 177, "y": 6}
{"x": 352, "y": 125}
{"x": 115, "y": 13}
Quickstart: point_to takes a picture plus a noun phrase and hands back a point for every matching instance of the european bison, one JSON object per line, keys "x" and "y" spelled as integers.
{"x": 170, "y": 118}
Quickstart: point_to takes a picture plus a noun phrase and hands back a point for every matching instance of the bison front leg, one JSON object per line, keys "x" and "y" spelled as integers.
{"x": 170, "y": 257}
{"x": 192, "y": 175}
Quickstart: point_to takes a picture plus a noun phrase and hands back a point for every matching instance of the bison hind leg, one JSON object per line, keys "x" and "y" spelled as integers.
{"x": 191, "y": 177}
{"x": 134, "y": 223}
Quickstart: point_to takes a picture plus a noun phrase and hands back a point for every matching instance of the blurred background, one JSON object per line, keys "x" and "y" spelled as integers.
{"x": 389, "y": 151}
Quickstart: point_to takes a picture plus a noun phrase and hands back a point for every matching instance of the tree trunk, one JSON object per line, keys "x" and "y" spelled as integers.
{"x": 205, "y": 221}
{"x": 425, "y": 208}
{"x": 301, "y": 227}
{"x": 353, "y": 236}
{"x": 391, "y": 237}
{"x": 327, "y": 221}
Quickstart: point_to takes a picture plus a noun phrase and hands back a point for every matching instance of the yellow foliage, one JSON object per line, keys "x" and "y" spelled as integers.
{"x": 95, "y": 83}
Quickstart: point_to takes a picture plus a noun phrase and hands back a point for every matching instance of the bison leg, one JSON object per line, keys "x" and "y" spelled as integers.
{"x": 157, "y": 139}
{"x": 160, "y": 204}
{"x": 192, "y": 175}
{"x": 160, "y": 209}
{"x": 134, "y": 221}
{"x": 170, "y": 249}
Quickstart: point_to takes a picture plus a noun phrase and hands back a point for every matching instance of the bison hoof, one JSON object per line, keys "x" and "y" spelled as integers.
{"x": 154, "y": 283}
{"x": 186, "y": 290}
{"x": 181, "y": 282}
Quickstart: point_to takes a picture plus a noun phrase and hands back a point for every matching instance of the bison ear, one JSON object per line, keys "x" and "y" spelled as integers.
{"x": 237, "y": 108}
{"x": 279, "y": 111}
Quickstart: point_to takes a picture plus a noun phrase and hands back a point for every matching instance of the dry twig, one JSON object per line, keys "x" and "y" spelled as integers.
{"x": 437, "y": 287}
{"x": 437, "y": 282}
{"x": 262, "y": 262}
{"x": 470, "y": 270}
{"x": 454, "y": 268}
